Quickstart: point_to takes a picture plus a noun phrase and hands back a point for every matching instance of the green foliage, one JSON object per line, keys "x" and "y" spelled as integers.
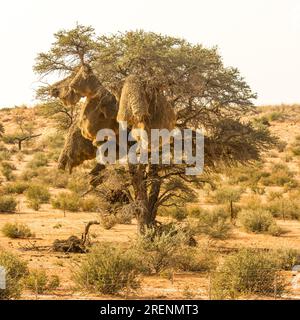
{"x": 108, "y": 270}
{"x": 36, "y": 195}
{"x": 108, "y": 221}
{"x": 7, "y": 170}
{"x": 177, "y": 213}
{"x": 259, "y": 221}
{"x": 17, "y": 187}
{"x": 227, "y": 194}
{"x": 16, "y": 269}
{"x": 247, "y": 272}
{"x": 159, "y": 251}
{"x": 39, "y": 282}
{"x": 90, "y": 204}
{"x": 16, "y": 231}
{"x": 7, "y": 204}
{"x": 66, "y": 201}
{"x": 215, "y": 224}
{"x": 39, "y": 159}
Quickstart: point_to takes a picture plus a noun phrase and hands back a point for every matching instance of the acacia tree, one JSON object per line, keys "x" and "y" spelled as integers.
{"x": 205, "y": 94}
{"x": 24, "y": 131}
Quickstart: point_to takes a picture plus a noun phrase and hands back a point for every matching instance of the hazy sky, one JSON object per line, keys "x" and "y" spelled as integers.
{"x": 260, "y": 37}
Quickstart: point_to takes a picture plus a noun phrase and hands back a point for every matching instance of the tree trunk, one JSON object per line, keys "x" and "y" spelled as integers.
{"x": 146, "y": 214}
{"x": 20, "y": 145}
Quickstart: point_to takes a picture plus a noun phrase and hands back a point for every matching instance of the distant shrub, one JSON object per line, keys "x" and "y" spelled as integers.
{"x": 90, "y": 204}
{"x": 275, "y": 116}
{"x": 77, "y": 183}
{"x": 177, "y": 213}
{"x": 39, "y": 282}
{"x": 124, "y": 217}
{"x": 248, "y": 272}
{"x": 7, "y": 204}
{"x": 16, "y": 269}
{"x": 108, "y": 270}
{"x": 7, "y": 170}
{"x": 160, "y": 251}
{"x": 39, "y": 159}
{"x": 258, "y": 221}
{"x": 287, "y": 258}
{"x": 66, "y": 201}
{"x": 280, "y": 176}
{"x": 108, "y": 221}
{"x": 17, "y": 187}
{"x": 5, "y": 155}
{"x": 16, "y": 231}
{"x": 195, "y": 260}
{"x": 215, "y": 224}
{"x": 284, "y": 208}
{"x": 36, "y": 195}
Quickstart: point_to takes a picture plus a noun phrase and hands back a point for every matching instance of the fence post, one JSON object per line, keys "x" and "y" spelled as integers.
{"x": 275, "y": 287}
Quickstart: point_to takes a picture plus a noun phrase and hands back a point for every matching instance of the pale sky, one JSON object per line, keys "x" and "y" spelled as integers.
{"x": 260, "y": 37}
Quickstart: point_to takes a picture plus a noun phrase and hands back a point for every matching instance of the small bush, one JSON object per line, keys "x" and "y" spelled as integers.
{"x": 215, "y": 224}
{"x": 40, "y": 159}
{"x": 178, "y": 213}
{"x": 16, "y": 231}
{"x": 258, "y": 221}
{"x": 160, "y": 251}
{"x": 247, "y": 272}
{"x": 39, "y": 282}
{"x": 108, "y": 221}
{"x": 36, "y": 195}
{"x": 195, "y": 260}
{"x": 124, "y": 217}
{"x": 108, "y": 270}
{"x": 15, "y": 269}
{"x": 66, "y": 201}
{"x": 7, "y": 171}
{"x": 5, "y": 155}
{"x": 90, "y": 204}
{"x": 7, "y": 204}
{"x": 17, "y": 187}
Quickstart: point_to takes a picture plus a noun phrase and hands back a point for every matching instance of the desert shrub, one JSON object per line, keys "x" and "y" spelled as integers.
{"x": 280, "y": 176}
{"x": 275, "y": 116}
{"x": 215, "y": 224}
{"x": 16, "y": 231}
{"x": 17, "y": 187}
{"x": 90, "y": 204}
{"x": 29, "y": 174}
{"x": 195, "y": 212}
{"x": 7, "y": 204}
{"x": 39, "y": 159}
{"x": 160, "y": 251}
{"x": 5, "y": 155}
{"x": 7, "y": 171}
{"x": 36, "y": 195}
{"x": 259, "y": 221}
{"x": 177, "y": 213}
{"x": 195, "y": 260}
{"x": 39, "y": 282}
{"x": 77, "y": 183}
{"x": 247, "y": 272}
{"x": 284, "y": 208}
{"x": 108, "y": 270}
{"x": 287, "y": 258}
{"x": 15, "y": 269}
{"x": 124, "y": 217}
{"x": 108, "y": 221}
{"x": 275, "y": 230}
{"x": 66, "y": 201}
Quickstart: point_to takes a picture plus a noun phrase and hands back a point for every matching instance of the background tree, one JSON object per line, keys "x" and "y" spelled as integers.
{"x": 205, "y": 94}
{"x": 23, "y": 133}
{"x": 62, "y": 115}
